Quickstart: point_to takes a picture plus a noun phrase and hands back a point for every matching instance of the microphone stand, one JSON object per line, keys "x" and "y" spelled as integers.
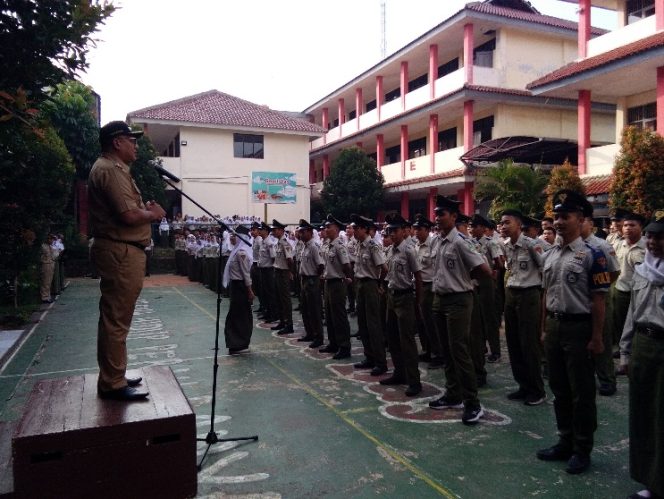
{"x": 212, "y": 437}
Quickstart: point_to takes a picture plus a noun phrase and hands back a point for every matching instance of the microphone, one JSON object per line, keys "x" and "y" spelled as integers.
{"x": 163, "y": 172}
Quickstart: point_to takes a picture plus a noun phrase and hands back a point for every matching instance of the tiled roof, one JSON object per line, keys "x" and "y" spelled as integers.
{"x": 599, "y": 60}
{"x": 597, "y": 185}
{"x": 532, "y": 17}
{"x": 437, "y": 176}
{"x": 220, "y": 109}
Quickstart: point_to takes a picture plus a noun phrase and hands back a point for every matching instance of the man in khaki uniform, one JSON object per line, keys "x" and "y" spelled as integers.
{"x": 283, "y": 273}
{"x": 120, "y": 224}
{"x": 47, "y": 261}
{"x": 311, "y": 268}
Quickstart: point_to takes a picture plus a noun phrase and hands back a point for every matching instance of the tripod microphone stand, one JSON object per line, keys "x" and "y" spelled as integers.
{"x": 212, "y": 437}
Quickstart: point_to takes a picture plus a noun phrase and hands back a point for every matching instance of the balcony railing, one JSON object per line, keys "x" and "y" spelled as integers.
{"x": 418, "y": 167}
{"x": 392, "y": 172}
{"x": 448, "y": 160}
{"x": 622, "y": 36}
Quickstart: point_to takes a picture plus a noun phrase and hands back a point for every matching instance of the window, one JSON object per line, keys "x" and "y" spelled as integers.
{"x": 635, "y": 10}
{"x": 371, "y": 105}
{"x": 335, "y": 123}
{"x": 392, "y": 155}
{"x": 448, "y": 67}
{"x": 394, "y": 94}
{"x": 173, "y": 149}
{"x": 418, "y": 82}
{"x": 351, "y": 115}
{"x": 417, "y": 148}
{"x": 644, "y": 117}
{"x": 483, "y": 55}
{"x": 247, "y": 146}
{"x": 482, "y": 130}
{"x": 447, "y": 139}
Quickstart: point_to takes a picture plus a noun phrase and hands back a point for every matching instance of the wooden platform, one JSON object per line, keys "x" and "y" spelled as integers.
{"x": 71, "y": 443}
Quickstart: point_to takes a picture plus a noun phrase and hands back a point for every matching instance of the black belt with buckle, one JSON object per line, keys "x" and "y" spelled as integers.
{"x": 399, "y": 292}
{"x": 366, "y": 279}
{"x": 309, "y": 276}
{"x": 654, "y": 332}
{"x": 562, "y": 317}
{"x": 334, "y": 279}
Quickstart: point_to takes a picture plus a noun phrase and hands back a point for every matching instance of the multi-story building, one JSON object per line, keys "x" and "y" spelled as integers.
{"x": 624, "y": 68}
{"x": 214, "y": 142}
{"x": 420, "y": 112}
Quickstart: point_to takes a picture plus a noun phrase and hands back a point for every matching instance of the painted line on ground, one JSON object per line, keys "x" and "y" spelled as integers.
{"x": 421, "y": 474}
{"x": 358, "y": 410}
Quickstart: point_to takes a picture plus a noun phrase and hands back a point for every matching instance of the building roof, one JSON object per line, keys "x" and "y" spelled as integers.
{"x": 523, "y": 149}
{"x": 597, "y": 61}
{"x": 459, "y": 172}
{"x": 223, "y": 110}
{"x": 597, "y": 185}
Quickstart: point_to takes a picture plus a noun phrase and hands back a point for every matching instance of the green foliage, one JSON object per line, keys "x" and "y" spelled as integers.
{"x": 638, "y": 181}
{"x": 564, "y": 176}
{"x": 354, "y": 185}
{"x": 511, "y": 186}
{"x": 146, "y": 177}
{"x": 70, "y": 110}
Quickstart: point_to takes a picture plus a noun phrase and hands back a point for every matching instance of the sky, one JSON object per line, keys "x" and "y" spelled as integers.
{"x": 285, "y": 54}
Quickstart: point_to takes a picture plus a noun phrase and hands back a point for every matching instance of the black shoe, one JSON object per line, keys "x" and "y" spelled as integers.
{"x": 555, "y": 453}
{"x": 377, "y": 371}
{"x": 315, "y": 344}
{"x": 134, "y": 381}
{"x": 356, "y": 335}
{"x": 472, "y": 415}
{"x": 425, "y": 357}
{"x": 126, "y": 393}
{"x": 413, "y": 389}
{"x": 329, "y": 349}
{"x": 493, "y": 358}
{"x": 238, "y": 351}
{"x": 50, "y": 300}
{"x": 616, "y": 354}
{"x": 392, "y": 380}
{"x": 365, "y": 364}
{"x": 297, "y": 309}
{"x": 343, "y": 353}
{"x": 517, "y": 395}
{"x": 436, "y": 363}
{"x": 535, "y": 399}
{"x": 285, "y": 330}
{"x": 445, "y": 403}
{"x": 305, "y": 338}
{"x": 481, "y": 382}
{"x": 607, "y": 389}
{"x": 578, "y": 463}
{"x": 279, "y": 326}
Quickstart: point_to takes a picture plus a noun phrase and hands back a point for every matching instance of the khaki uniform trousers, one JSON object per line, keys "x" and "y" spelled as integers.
{"x": 310, "y": 303}
{"x": 121, "y": 268}
{"x": 336, "y": 317}
{"x": 47, "y": 270}
{"x": 283, "y": 287}
{"x": 368, "y": 321}
{"x": 400, "y": 334}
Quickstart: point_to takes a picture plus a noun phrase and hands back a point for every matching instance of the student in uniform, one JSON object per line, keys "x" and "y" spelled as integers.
{"x": 283, "y": 274}
{"x": 311, "y": 268}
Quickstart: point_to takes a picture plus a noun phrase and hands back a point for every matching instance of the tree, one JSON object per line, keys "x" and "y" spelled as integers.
{"x": 564, "y": 176}
{"x": 638, "y": 174}
{"x": 146, "y": 177}
{"x": 354, "y": 185}
{"x": 511, "y": 186}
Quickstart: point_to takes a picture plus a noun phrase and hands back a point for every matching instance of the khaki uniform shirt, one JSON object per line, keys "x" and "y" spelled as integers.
{"x": 455, "y": 258}
{"x": 607, "y": 249}
{"x": 335, "y": 256}
{"x": 310, "y": 259}
{"x": 240, "y": 268}
{"x": 628, "y": 258}
{"x": 401, "y": 266}
{"x": 571, "y": 274}
{"x": 369, "y": 259}
{"x": 523, "y": 262}
{"x": 491, "y": 249}
{"x": 284, "y": 252}
{"x": 352, "y": 247}
{"x": 299, "y": 248}
{"x": 111, "y": 192}
{"x": 426, "y": 255}
{"x": 266, "y": 253}
{"x": 614, "y": 239}
{"x": 256, "y": 248}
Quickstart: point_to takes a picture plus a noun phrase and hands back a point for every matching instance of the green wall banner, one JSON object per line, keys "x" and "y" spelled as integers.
{"x": 273, "y": 188}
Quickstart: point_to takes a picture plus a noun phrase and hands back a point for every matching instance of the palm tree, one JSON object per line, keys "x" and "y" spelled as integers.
{"x": 511, "y": 186}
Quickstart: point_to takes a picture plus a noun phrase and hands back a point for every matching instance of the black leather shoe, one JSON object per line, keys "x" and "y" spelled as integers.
{"x": 329, "y": 349}
{"x": 607, "y": 389}
{"x": 315, "y": 344}
{"x": 134, "y": 381}
{"x": 377, "y": 371}
{"x": 285, "y": 330}
{"x": 342, "y": 354}
{"x": 126, "y": 393}
{"x": 279, "y": 326}
{"x": 305, "y": 338}
{"x": 578, "y": 463}
{"x": 392, "y": 380}
{"x": 413, "y": 389}
{"x": 555, "y": 453}
{"x": 365, "y": 364}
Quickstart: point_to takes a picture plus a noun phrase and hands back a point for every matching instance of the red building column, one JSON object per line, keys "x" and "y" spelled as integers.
{"x": 359, "y": 106}
{"x": 468, "y": 46}
{"x": 326, "y": 166}
{"x": 461, "y": 197}
{"x": 380, "y": 96}
{"x": 584, "y": 28}
{"x": 468, "y": 112}
{"x": 341, "y": 109}
{"x": 431, "y": 202}
{"x": 326, "y": 120}
{"x": 660, "y": 100}
{"x": 583, "y": 128}
{"x": 433, "y": 69}
{"x": 405, "y": 208}
{"x": 433, "y": 141}
{"x": 404, "y": 149}
{"x": 659, "y": 14}
{"x": 380, "y": 151}
{"x": 312, "y": 171}
{"x": 404, "y": 83}
{"x": 468, "y": 201}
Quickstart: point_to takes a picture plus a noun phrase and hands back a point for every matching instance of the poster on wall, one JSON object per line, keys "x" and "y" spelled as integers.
{"x": 273, "y": 188}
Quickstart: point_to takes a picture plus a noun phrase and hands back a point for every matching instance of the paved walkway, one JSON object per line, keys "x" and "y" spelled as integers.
{"x": 325, "y": 430}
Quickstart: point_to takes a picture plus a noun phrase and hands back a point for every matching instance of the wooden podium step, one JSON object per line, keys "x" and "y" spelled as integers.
{"x": 71, "y": 443}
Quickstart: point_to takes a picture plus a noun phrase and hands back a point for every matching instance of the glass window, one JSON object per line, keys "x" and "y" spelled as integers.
{"x": 483, "y": 55}
{"x": 418, "y": 82}
{"x": 392, "y": 155}
{"x": 447, "y": 139}
{"x": 394, "y": 94}
{"x": 417, "y": 148}
{"x": 351, "y": 115}
{"x": 635, "y": 10}
{"x": 448, "y": 67}
{"x": 644, "y": 117}
{"x": 247, "y": 146}
{"x": 371, "y": 105}
{"x": 482, "y": 130}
